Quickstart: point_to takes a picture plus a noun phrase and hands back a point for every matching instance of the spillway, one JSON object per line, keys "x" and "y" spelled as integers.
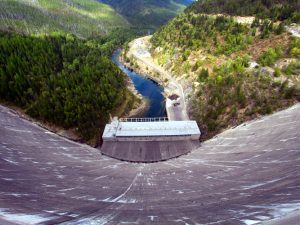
{"x": 245, "y": 175}
{"x": 149, "y": 139}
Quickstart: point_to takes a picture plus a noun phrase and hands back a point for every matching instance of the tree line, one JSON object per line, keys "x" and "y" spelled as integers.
{"x": 263, "y": 9}
{"x": 62, "y": 79}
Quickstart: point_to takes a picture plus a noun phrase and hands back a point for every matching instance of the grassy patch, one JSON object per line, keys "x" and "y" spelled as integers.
{"x": 82, "y": 18}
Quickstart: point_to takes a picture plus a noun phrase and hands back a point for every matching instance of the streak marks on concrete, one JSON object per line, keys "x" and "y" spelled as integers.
{"x": 245, "y": 175}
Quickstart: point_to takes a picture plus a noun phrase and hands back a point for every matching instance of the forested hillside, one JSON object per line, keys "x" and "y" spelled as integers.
{"x": 272, "y": 9}
{"x": 148, "y": 13}
{"x": 236, "y": 71}
{"x": 55, "y": 62}
{"x": 63, "y": 80}
{"x": 83, "y": 18}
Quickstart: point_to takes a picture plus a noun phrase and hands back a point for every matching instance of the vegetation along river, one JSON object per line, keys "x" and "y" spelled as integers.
{"x": 146, "y": 87}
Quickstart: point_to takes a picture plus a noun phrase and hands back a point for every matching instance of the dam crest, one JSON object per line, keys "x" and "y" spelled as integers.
{"x": 149, "y": 139}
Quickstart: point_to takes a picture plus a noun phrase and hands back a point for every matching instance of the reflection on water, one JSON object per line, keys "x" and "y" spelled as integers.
{"x": 146, "y": 87}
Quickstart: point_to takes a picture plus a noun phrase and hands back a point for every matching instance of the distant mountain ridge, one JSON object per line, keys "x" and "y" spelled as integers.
{"x": 84, "y": 18}
{"x": 150, "y": 13}
{"x": 273, "y": 9}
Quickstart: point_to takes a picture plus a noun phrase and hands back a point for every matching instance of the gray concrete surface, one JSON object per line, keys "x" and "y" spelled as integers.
{"x": 290, "y": 219}
{"x": 294, "y": 30}
{"x": 244, "y": 176}
{"x": 147, "y": 151}
{"x": 175, "y": 112}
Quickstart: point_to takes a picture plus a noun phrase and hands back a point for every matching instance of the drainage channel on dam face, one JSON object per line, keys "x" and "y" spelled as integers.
{"x": 146, "y": 87}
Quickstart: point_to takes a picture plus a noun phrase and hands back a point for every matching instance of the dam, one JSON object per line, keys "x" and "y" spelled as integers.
{"x": 156, "y": 137}
{"x": 249, "y": 173}
{"x": 149, "y": 139}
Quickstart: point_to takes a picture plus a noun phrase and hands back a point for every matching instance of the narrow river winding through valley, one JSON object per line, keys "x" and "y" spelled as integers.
{"x": 146, "y": 87}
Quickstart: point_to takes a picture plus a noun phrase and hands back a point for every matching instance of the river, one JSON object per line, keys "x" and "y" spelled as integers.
{"x": 146, "y": 87}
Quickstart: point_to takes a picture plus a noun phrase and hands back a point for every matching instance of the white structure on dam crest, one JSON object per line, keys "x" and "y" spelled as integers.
{"x": 149, "y": 139}
{"x": 151, "y": 131}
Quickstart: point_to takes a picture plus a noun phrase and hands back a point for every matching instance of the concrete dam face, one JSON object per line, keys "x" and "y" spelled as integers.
{"x": 149, "y": 140}
{"x": 246, "y": 175}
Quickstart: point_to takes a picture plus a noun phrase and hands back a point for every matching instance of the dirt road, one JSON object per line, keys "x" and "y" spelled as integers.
{"x": 139, "y": 49}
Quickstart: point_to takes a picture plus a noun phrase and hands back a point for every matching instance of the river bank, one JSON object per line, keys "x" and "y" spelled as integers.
{"x": 135, "y": 105}
{"x": 141, "y": 104}
{"x": 130, "y": 62}
{"x": 138, "y": 57}
{"x": 150, "y": 93}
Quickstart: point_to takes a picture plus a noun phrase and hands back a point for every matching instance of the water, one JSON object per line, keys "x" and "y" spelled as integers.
{"x": 147, "y": 88}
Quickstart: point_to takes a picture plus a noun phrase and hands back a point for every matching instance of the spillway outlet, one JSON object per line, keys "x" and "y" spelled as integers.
{"x": 149, "y": 139}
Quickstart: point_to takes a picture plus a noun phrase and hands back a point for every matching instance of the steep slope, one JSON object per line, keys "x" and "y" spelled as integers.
{"x": 245, "y": 176}
{"x": 150, "y": 13}
{"x": 274, "y": 9}
{"x": 65, "y": 81}
{"x": 84, "y": 18}
{"x": 235, "y": 68}
{"x": 62, "y": 80}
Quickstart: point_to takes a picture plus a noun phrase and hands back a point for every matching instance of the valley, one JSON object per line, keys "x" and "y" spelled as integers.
{"x": 71, "y": 66}
{"x": 246, "y": 175}
{"x": 151, "y": 93}
{"x": 148, "y": 14}
{"x": 99, "y": 29}
{"x": 139, "y": 52}
{"x": 233, "y": 66}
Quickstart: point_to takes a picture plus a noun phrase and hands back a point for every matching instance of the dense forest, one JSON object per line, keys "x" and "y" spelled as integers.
{"x": 213, "y": 35}
{"x": 62, "y": 79}
{"x": 232, "y": 93}
{"x": 55, "y": 57}
{"x": 271, "y": 9}
{"x": 189, "y": 32}
{"x": 83, "y": 18}
{"x": 236, "y": 71}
